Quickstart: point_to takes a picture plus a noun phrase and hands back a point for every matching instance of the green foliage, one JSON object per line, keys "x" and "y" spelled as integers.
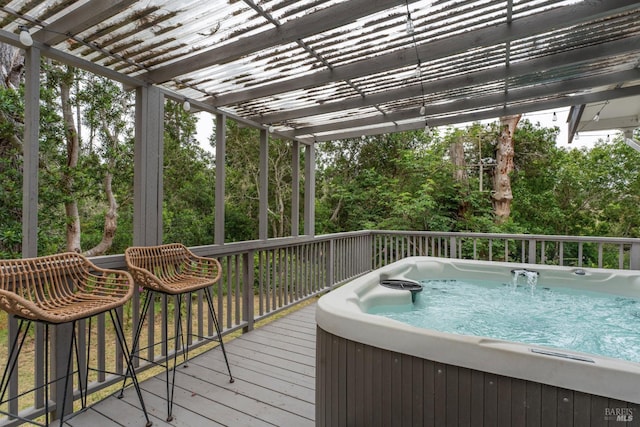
{"x": 393, "y": 181}
{"x": 403, "y": 181}
{"x": 189, "y": 181}
{"x": 242, "y": 184}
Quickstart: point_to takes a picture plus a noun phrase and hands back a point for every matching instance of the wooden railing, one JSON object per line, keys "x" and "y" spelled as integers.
{"x": 262, "y": 278}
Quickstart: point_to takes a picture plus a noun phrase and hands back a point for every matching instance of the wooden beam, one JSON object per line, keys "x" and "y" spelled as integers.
{"x": 305, "y": 26}
{"x": 526, "y": 107}
{"x": 629, "y": 122}
{"x": 537, "y": 65}
{"x": 537, "y": 91}
{"x": 82, "y": 18}
{"x": 561, "y": 17}
{"x": 74, "y": 61}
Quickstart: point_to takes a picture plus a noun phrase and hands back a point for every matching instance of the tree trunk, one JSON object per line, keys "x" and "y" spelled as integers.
{"x": 110, "y": 221}
{"x": 111, "y": 216}
{"x": 73, "y": 153}
{"x": 502, "y": 195}
{"x": 456, "y": 153}
{"x": 12, "y": 65}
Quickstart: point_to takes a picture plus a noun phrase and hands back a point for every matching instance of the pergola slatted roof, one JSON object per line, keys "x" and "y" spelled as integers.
{"x": 329, "y": 69}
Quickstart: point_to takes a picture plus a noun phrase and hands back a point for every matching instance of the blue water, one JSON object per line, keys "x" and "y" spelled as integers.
{"x": 579, "y": 320}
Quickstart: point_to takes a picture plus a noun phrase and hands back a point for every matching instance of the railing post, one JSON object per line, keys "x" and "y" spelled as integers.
{"x": 247, "y": 291}
{"x": 453, "y": 251}
{"x": 532, "y": 251}
{"x": 634, "y": 261}
{"x": 331, "y": 249}
{"x": 368, "y": 253}
{"x": 60, "y": 355}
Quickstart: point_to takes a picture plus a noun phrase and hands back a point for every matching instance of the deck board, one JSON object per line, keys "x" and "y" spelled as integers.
{"x": 274, "y": 371}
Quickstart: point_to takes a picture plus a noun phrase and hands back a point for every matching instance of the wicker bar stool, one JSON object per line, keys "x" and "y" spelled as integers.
{"x": 172, "y": 269}
{"x": 62, "y": 289}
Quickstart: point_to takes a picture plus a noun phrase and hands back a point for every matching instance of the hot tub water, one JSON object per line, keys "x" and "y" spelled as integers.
{"x": 520, "y": 311}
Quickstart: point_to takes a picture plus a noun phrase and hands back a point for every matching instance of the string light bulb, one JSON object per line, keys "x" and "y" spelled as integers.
{"x": 409, "y": 27}
{"x": 596, "y": 117}
{"x": 423, "y": 110}
{"x": 25, "y": 37}
{"x": 186, "y": 105}
{"x": 555, "y": 117}
{"x": 271, "y": 128}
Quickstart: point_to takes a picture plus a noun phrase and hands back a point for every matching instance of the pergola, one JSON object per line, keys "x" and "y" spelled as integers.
{"x": 318, "y": 70}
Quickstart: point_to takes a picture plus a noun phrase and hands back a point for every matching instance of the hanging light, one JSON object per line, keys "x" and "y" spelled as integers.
{"x": 555, "y": 117}
{"x": 271, "y": 128}
{"x": 427, "y": 129}
{"x": 608, "y": 138}
{"x": 25, "y": 36}
{"x": 423, "y": 110}
{"x": 409, "y": 27}
{"x": 597, "y": 116}
{"x": 577, "y": 136}
{"x": 186, "y": 105}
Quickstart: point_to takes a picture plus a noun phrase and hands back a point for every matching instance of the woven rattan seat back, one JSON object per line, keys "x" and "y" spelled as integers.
{"x": 56, "y": 289}
{"x": 171, "y": 268}
{"x": 60, "y": 288}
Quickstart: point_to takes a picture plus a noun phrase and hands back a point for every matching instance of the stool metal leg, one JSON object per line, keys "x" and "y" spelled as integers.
{"x": 179, "y": 339}
{"x": 12, "y": 357}
{"x": 115, "y": 318}
{"x": 68, "y": 378}
{"x": 10, "y": 367}
{"x": 207, "y": 292}
{"x": 148, "y": 297}
{"x": 46, "y": 372}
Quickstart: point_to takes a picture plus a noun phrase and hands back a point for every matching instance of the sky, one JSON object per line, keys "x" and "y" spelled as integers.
{"x": 545, "y": 118}
{"x": 586, "y": 139}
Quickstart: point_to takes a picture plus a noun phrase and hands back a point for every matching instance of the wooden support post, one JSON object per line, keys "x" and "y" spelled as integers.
{"x": 263, "y": 231}
{"x": 148, "y": 167}
{"x": 295, "y": 188}
{"x": 221, "y": 167}
{"x": 309, "y": 190}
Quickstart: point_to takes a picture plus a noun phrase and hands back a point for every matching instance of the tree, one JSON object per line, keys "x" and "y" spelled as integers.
{"x": 66, "y": 76}
{"x": 243, "y": 184}
{"x": 106, "y": 107}
{"x": 11, "y": 129}
{"x": 396, "y": 181}
{"x": 189, "y": 181}
{"x": 502, "y": 194}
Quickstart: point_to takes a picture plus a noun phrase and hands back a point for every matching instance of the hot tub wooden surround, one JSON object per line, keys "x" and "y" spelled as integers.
{"x": 361, "y": 385}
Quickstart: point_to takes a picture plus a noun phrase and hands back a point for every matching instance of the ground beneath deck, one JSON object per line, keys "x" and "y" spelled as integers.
{"x": 274, "y": 371}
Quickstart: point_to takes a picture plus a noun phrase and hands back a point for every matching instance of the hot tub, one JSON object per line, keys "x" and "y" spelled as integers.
{"x": 376, "y": 371}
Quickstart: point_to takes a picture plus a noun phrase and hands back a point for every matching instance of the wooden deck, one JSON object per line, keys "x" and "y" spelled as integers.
{"x": 274, "y": 371}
